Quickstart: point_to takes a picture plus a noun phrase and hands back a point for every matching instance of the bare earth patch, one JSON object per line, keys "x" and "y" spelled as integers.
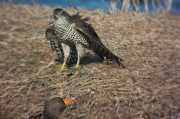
{"x": 149, "y": 87}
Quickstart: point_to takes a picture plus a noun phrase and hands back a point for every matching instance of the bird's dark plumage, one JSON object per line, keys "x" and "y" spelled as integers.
{"x": 74, "y": 32}
{"x": 53, "y": 108}
{"x": 98, "y": 48}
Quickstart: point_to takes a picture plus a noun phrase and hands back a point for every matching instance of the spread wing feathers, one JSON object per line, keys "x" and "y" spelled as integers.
{"x": 86, "y": 28}
{"x": 83, "y": 26}
{"x": 55, "y": 45}
{"x": 99, "y": 48}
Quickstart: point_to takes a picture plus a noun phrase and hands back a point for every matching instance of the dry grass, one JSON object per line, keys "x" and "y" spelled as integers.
{"x": 158, "y": 6}
{"x": 147, "y": 88}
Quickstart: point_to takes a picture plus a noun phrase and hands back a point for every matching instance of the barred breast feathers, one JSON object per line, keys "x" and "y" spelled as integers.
{"x": 56, "y": 45}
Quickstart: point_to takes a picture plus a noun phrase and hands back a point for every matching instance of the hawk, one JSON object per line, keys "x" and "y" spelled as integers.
{"x": 70, "y": 35}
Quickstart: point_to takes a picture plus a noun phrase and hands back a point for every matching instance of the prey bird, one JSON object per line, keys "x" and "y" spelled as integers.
{"x": 53, "y": 108}
{"x": 70, "y": 35}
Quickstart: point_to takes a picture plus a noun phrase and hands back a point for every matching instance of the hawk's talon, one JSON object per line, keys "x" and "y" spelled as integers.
{"x": 63, "y": 68}
{"x": 77, "y": 66}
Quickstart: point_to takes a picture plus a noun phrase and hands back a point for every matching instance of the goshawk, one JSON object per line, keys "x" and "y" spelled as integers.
{"x": 70, "y": 35}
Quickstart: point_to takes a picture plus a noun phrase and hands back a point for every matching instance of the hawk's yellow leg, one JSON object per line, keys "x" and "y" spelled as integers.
{"x": 80, "y": 51}
{"x": 77, "y": 64}
{"x": 64, "y": 64}
{"x": 66, "y": 50}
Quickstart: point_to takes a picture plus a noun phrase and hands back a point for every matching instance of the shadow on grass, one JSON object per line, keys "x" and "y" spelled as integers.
{"x": 88, "y": 58}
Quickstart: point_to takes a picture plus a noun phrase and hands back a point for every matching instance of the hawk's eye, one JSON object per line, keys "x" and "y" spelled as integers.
{"x": 59, "y": 101}
{"x": 60, "y": 12}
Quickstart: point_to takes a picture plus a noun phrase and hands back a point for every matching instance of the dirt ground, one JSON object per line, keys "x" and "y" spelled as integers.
{"x": 148, "y": 88}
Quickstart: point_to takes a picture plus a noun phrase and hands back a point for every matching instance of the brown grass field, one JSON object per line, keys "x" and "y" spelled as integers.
{"x": 148, "y": 88}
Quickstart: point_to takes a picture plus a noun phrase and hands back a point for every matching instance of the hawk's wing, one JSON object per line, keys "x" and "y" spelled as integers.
{"x": 99, "y": 48}
{"x": 86, "y": 28}
{"x": 83, "y": 26}
{"x": 56, "y": 45}
{"x": 87, "y": 31}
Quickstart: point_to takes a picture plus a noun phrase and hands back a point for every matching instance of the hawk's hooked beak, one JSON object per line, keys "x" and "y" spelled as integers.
{"x": 67, "y": 101}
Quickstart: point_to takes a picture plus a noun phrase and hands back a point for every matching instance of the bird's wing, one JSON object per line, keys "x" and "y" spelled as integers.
{"x": 87, "y": 31}
{"x": 86, "y": 28}
{"x": 83, "y": 26}
{"x": 99, "y": 48}
{"x": 56, "y": 45}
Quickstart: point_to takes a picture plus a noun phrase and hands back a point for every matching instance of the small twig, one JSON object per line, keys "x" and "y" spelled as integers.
{"x": 10, "y": 71}
{"x": 160, "y": 5}
{"x": 136, "y": 5}
{"x": 168, "y": 5}
{"x": 153, "y": 5}
{"x": 126, "y": 5}
{"x": 32, "y": 14}
{"x": 146, "y": 6}
{"x": 30, "y": 87}
{"x": 105, "y": 3}
{"x": 52, "y": 62}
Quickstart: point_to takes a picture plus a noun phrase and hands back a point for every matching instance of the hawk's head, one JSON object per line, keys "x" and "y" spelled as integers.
{"x": 60, "y": 14}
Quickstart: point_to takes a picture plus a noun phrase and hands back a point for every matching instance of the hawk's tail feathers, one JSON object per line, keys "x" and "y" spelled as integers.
{"x": 99, "y": 49}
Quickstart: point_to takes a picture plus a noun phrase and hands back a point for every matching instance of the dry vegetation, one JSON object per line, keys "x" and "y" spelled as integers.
{"x": 157, "y": 5}
{"x": 149, "y": 87}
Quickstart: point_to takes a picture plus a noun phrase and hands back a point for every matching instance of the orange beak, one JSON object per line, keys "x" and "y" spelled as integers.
{"x": 67, "y": 101}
